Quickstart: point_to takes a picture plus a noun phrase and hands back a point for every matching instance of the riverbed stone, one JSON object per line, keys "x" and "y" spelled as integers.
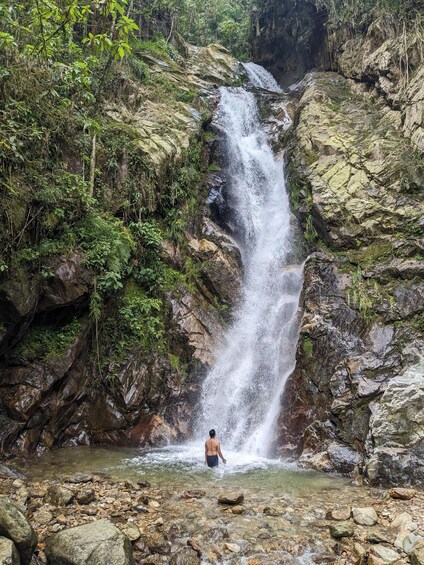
{"x": 131, "y": 531}
{"x": 8, "y": 553}
{"x": 403, "y": 522}
{"x": 385, "y": 554}
{"x": 364, "y": 516}
{"x": 85, "y": 495}
{"x": 340, "y": 514}
{"x": 402, "y": 493}
{"x": 410, "y": 541}
{"x": 231, "y": 498}
{"x": 185, "y": 556}
{"x": 157, "y": 543}
{"x": 417, "y": 554}
{"x": 15, "y": 526}
{"x": 91, "y": 544}
{"x": 58, "y": 495}
{"x": 342, "y": 530}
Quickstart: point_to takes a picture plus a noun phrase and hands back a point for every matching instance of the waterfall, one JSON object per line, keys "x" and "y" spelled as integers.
{"x": 241, "y": 393}
{"x": 261, "y": 78}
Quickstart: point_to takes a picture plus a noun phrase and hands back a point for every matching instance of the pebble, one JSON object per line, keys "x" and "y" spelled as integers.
{"x": 342, "y": 530}
{"x": 233, "y": 547}
{"x": 402, "y": 493}
{"x": 384, "y": 553}
{"x": 233, "y": 498}
{"x": 364, "y": 516}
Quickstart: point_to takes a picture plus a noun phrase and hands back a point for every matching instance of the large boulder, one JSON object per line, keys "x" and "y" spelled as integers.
{"x": 15, "y": 526}
{"x": 92, "y": 544}
{"x": 397, "y": 429}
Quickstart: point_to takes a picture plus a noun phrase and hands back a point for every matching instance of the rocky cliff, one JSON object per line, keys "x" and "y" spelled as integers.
{"x": 354, "y": 403}
{"x": 111, "y": 303}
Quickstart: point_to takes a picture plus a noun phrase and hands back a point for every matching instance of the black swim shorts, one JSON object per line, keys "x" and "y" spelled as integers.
{"x": 212, "y": 460}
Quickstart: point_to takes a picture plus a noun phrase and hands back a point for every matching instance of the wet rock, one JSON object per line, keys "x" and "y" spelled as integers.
{"x": 384, "y": 554}
{"x": 186, "y": 556}
{"x": 342, "y": 458}
{"x": 272, "y": 511}
{"x": 237, "y": 510}
{"x": 364, "y": 516}
{"x": 417, "y": 554}
{"x": 85, "y": 496}
{"x": 342, "y": 530}
{"x": 81, "y": 478}
{"x": 58, "y": 495}
{"x": 157, "y": 543}
{"x": 193, "y": 494}
{"x": 402, "y": 493}
{"x": 342, "y": 513}
{"x": 231, "y": 498}
{"x": 8, "y": 553}
{"x": 92, "y": 544}
{"x": 15, "y": 526}
{"x": 221, "y": 267}
{"x": 9, "y": 473}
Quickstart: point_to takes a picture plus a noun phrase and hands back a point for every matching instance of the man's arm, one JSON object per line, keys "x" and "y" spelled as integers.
{"x": 206, "y": 453}
{"x": 220, "y": 454}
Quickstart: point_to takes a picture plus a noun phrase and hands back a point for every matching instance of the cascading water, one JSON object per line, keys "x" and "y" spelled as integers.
{"x": 241, "y": 394}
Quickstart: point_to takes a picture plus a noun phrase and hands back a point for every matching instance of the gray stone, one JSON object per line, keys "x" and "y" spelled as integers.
{"x": 131, "y": 531}
{"x": 231, "y": 498}
{"x": 8, "y": 553}
{"x": 15, "y": 526}
{"x": 364, "y": 516}
{"x": 410, "y": 541}
{"x": 9, "y": 473}
{"x": 92, "y": 544}
{"x": 58, "y": 495}
{"x": 340, "y": 514}
{"x": 384, "y": 553}
{"x": 85, "y": 495}
{"x": 342, "y": 530}
{"x": 417, "y": 554}
{"x": 186, "y": 556}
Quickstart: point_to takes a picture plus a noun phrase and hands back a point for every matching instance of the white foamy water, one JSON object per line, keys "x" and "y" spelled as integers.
{"x": 241, "y": 394}
{"x": 261, "y": 78}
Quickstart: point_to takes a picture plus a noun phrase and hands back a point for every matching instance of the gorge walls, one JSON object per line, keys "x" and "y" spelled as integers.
{"x": 356, "y": 177}
{"x": 111, "y": 305}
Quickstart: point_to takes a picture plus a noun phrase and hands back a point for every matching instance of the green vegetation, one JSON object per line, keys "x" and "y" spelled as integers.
{"x": 361, "y": 13}
{"x": 308, "y": 346}
{"x": 47, "y": 342}
{"x": 73, "y": 178}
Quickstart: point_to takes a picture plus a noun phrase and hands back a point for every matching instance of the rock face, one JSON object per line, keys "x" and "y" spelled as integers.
{"x": 15, "y": 527}
{"x": 92, "y": 544}
{"x": 52, "y": 390}
{"x": 354, "y": 179}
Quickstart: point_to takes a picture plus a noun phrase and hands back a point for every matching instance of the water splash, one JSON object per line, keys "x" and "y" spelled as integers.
{"x": 261, "y": 78}
{"x": 241, "y": 394}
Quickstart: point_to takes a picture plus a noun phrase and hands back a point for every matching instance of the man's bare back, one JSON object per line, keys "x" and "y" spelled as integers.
{"x": 213, "y": 451}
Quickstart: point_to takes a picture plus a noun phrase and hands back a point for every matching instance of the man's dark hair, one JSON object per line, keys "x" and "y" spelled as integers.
{"x": 212, "y": 433}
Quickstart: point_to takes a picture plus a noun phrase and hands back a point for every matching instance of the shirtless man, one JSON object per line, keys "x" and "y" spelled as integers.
{"x": 212, "y": 450}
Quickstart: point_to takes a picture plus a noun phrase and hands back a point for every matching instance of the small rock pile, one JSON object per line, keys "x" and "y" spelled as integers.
{"x": 374, "y": 546}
